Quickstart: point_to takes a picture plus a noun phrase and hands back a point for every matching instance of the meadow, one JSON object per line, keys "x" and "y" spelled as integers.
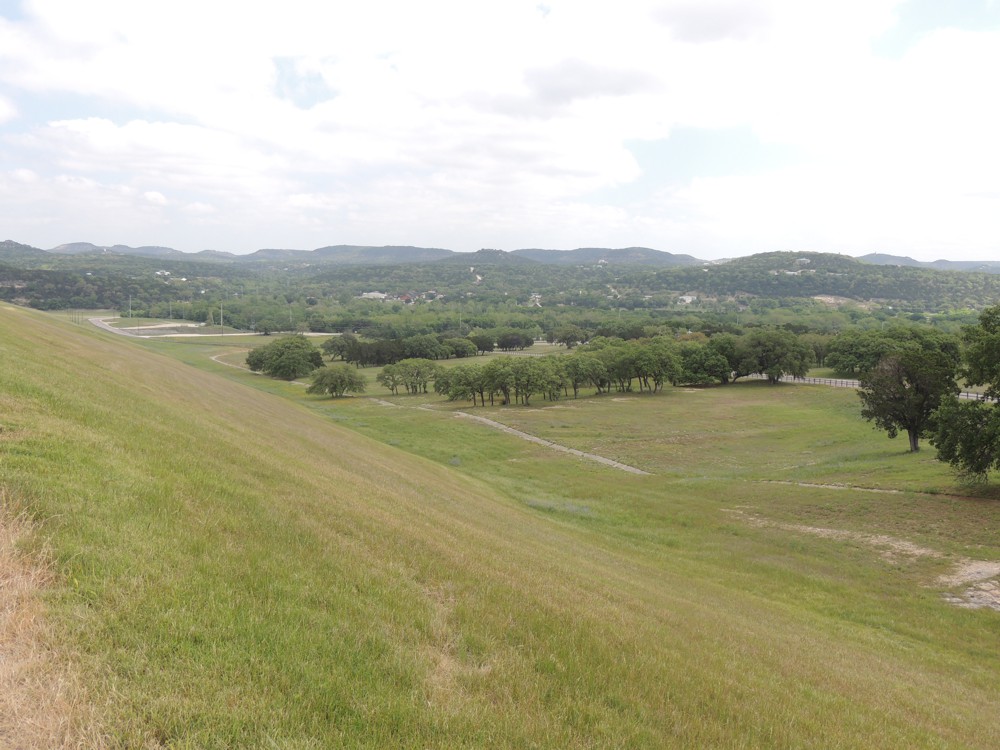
{"x": 234, "y": 563}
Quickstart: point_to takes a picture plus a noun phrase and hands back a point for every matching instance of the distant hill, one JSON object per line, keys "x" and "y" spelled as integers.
{"x": 275, "y": 254}
{"x": 213, "y": 255}
{"x": 384, "y": 254}
{"x": 102, "y": 277}
{"x": 881, "y": 259}
{"x": 632, "y": 256}
{"x": 14, "y": 251}
{"x": 11, "y": 251}
{"x": 76, "y": 248}
{"x": 147, "y": 251}
{"x": 487, "y": 256}
{"x": 793, "y": 275}
{"x": 980, "y": 266}
{"x": 399, "y": 254}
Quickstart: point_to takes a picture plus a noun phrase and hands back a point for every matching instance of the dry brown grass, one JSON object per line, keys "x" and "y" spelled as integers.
{"x": 41, "y": 702}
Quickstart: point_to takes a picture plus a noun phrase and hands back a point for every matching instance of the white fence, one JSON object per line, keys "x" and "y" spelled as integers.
{"x": 840, "y": 383}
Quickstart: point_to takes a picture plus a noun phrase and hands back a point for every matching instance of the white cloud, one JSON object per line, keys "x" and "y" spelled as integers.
{"x": 7, "y": 110}
{"x": 24, "y": 175}
{"x": 456, "y": 124}
{"x": 713, "y": 21}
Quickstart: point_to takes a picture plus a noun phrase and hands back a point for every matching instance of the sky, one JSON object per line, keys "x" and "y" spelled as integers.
{"x": 716, "y": 128}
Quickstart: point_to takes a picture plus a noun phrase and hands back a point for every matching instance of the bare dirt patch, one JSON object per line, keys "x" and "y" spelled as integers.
{"x": 443, "y": 684}
{"x": 971, "y": 571}
{"x": 984, "y": 593}
{"x": 834, "y": 301}
{"x": 40, "y": 704}
{"x": 891, "y": 548}
{"x": 983, "y": 575}
{"x": 382, "y": 402}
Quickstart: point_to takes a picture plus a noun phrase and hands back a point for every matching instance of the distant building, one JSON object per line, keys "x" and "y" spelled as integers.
{"x": 381, "y": 296}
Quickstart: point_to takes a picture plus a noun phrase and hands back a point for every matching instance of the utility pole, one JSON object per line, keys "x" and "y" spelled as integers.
{"x": 222, "y": 325}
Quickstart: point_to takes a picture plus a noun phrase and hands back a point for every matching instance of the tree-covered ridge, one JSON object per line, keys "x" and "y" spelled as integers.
{"x": 814, "y": 274}
{"x": 289, "y": 293}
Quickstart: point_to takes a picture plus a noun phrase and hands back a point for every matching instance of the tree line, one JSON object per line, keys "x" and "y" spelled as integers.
{"x": 379, "y": 352}
{"x": 604, "y": 363}
{"x": 908, "y": 375}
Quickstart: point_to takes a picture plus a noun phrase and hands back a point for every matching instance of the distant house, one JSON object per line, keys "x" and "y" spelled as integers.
{"x": 686, "y": 299}
{"x": 381, "y": 296}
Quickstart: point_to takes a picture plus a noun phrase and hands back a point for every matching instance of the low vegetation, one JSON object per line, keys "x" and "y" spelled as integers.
{"x": 236, "y": 562}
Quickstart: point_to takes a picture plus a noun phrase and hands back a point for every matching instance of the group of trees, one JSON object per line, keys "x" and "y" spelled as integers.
{"x": 606, "y": 363}
{"x": 292, "y": 357}
{"x": 379, "y": 352}
{"x": 613, "y": 364}
{"x": 967, "y": 433}
{"x": 511, "y": 379}
{"x": 411, "y": 374}
{"x": 336, "y": 381}
{"x": 908, "y": 375}
{"x": 903, "y": 376}
{"x": 286, "y": 358}
{"x": 909, "y": 379}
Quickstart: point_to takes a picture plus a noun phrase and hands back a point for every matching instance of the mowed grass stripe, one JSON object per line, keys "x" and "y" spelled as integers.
{"x": 234, "y": 570}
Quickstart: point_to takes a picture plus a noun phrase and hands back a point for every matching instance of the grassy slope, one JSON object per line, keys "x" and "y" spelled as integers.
{"x": 237, "y": 569}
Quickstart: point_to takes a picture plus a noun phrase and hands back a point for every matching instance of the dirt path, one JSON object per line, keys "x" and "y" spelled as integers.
{"x": 831, "y": 486}
{"x": 218, "y": 361}
{"x": 979, "y": 580}
{"x": 554, "y": 446}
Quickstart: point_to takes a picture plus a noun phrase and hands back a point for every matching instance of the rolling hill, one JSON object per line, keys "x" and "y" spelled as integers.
{"x": 975, "y": 266}
{"x": 625, "y": 256}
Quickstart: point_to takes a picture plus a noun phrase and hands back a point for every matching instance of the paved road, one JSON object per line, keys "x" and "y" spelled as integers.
{"x": 144, "y": 332}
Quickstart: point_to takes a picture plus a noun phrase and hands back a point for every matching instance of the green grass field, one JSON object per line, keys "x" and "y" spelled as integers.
{"x": 238, "y": 564}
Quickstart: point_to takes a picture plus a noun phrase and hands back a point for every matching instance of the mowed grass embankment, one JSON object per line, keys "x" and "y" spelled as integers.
{"x": 235, "y": 568}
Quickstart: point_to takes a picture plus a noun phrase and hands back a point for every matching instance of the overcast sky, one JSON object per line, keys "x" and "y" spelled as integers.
{"x": 710, "y": 127}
